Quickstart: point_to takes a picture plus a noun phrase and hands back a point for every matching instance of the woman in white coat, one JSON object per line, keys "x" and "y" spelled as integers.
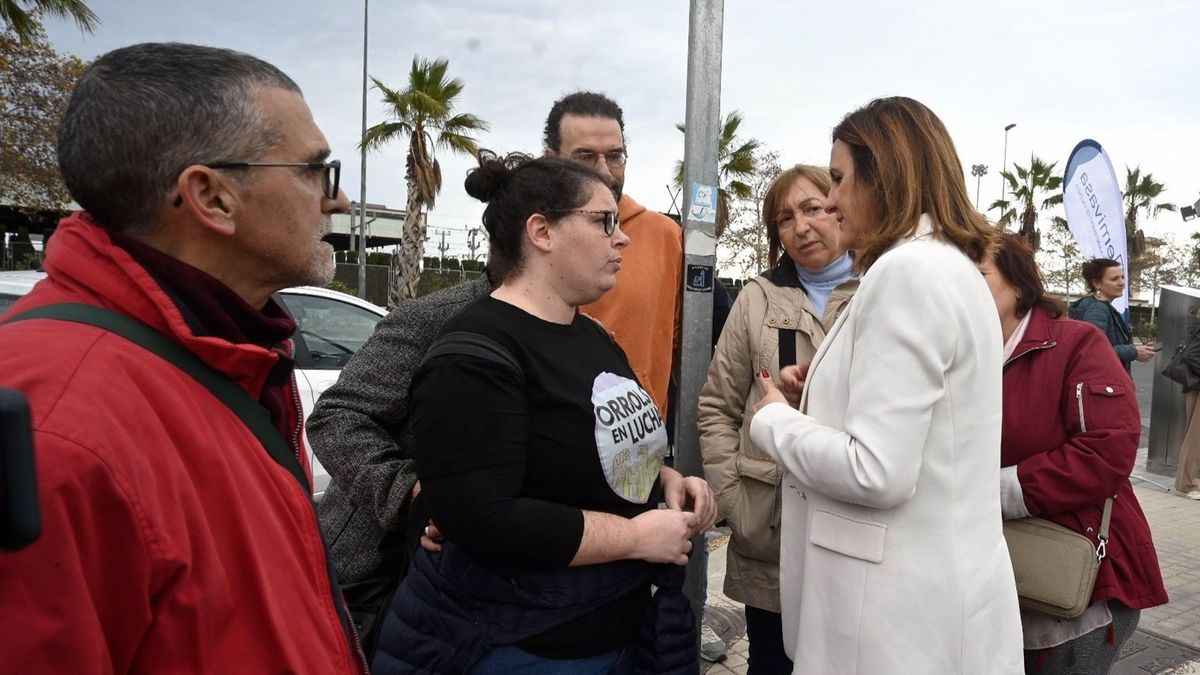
{"x": 893, "y": 559}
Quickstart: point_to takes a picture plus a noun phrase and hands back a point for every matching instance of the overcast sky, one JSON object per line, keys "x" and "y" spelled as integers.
{"x": 1125, "y": 74}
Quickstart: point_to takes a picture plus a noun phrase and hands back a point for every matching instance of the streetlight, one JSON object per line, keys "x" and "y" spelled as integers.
{"x": 1004, "y": 166}
{"x": 362, "y": 194}
{"x": 979, "y": 171}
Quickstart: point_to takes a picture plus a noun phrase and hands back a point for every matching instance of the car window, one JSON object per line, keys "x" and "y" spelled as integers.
{"x": 328, "y": 331}
{"x": 7, "y": 301}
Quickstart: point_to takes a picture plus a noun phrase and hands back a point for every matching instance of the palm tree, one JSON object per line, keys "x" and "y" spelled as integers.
{"x": 736, "y": 164}
{"x": 423, "y": 113}
{"x": 1027, "y": 187}
{"x": 23, "y": 16}
{"x": 1141, "y": 195}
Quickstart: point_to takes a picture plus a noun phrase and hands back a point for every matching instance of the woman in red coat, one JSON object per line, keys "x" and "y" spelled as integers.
{"x": 1070, "y": 437}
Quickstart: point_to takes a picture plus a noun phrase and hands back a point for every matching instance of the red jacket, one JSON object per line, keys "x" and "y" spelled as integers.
{"x": 171, "y": 541}
{"x": 1071, "y": 426}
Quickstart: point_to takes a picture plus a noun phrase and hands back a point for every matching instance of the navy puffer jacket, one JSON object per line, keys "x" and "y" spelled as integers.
{"x": 450, "y": 611}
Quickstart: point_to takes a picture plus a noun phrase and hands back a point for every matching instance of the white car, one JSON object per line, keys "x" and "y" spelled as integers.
{"x": 330, "y": 328}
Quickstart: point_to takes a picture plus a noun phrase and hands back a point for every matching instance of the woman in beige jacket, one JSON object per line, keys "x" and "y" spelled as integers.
{"x": 779, "y": 318}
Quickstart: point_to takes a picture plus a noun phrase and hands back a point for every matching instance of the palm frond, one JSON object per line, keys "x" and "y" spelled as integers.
{"x": 384, "y": 133}
{"x": 25, "y": 23}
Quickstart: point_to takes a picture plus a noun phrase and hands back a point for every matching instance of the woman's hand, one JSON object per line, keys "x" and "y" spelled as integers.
{"x": 1145, "y": 353}
{"x": 689, "y": 493}
{"x": 770, "y": 393}
{"x": 431, "y": 540}
{"x": 792, "y": 380}
{"x": 663, "y": 536}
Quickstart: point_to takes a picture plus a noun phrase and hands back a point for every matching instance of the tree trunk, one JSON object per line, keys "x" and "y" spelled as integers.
{"x": 406, "y": 266}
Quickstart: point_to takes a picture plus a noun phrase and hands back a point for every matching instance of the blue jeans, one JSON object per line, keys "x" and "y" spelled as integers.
{"x": 512, "y": 660}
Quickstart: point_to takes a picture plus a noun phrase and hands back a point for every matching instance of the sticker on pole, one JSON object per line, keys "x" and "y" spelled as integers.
{"x": 699, "y": 278}
{"x": 703, "y": 205}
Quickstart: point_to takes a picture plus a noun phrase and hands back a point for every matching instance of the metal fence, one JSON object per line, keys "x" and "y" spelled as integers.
{"x": 379, "y": 278}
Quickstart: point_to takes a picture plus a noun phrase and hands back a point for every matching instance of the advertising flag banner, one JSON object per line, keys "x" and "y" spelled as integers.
{"x": 1095, "y": 212}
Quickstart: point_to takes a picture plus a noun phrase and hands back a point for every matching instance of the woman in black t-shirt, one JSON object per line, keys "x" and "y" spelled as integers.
{"x": 547, "y": 476}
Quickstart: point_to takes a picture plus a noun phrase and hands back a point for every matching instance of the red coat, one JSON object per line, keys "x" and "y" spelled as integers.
{"x": 171, "y": 541}
{"x": 1071, "y": 426}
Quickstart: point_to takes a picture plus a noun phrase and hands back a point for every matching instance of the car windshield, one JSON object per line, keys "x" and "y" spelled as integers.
{"x": 330, "y": 327}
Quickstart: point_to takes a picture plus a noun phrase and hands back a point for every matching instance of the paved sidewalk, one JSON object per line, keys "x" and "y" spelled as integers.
{"x": 1168, "y": 639}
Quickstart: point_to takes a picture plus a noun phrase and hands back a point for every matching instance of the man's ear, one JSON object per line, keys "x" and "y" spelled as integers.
{"x": 207, "y": 195}
{"x": 537, "y": 229}
{"x": 551, "y": 153}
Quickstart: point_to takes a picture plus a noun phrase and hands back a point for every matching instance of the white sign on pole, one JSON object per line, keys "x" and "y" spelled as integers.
{"x": 1095, "y": 212}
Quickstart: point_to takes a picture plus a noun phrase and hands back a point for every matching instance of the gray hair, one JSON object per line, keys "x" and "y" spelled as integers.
{"x": 141, "y": 114}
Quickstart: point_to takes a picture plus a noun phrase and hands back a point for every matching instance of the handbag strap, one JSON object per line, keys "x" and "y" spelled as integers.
{"x": 1102, "y": 547}
{"x": 250, "y": 412}
{"x": 1191, "y": 338}
{"x": 787, "y": 348}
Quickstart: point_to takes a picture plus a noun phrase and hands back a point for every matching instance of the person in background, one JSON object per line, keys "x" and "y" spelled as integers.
{"x": 1105, "y": 281}
{"x": 359, "y": 430}
{"x": 642, "y": 312}
{"x": 543, "y": 474}
{"x": 892, "y": 555}
{"x": 1070, "y": 438}
{"x": 1188, "y": 462}
{"x": 173, "y": 541}
{"x": 779, "y": 319}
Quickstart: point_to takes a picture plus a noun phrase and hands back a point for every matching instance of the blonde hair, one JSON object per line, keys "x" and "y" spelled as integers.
{"x": 817, "y": 175}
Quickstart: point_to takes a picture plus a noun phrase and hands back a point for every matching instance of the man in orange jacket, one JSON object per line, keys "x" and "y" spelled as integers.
{"x": 642, "y": 311}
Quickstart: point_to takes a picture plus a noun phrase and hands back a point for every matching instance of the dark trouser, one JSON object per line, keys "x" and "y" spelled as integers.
{"x": 1092, "y": 653}
{"x": 764, "y": 630}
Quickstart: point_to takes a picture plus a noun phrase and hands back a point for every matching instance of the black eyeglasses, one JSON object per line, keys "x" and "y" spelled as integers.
{"x": 332, "y": 169}
{"x": 615, "y": 158}
{"x": 611, "y": 221}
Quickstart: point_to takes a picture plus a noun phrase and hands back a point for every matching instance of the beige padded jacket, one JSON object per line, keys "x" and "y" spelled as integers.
{"x": 744, "y": 479}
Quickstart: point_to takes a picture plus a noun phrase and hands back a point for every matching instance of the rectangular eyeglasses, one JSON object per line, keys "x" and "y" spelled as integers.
{"x": 611, "y": 221}
{"x": 332, "y": 169}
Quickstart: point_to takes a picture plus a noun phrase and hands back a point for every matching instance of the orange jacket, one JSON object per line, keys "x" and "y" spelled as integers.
{"x": 642, "y": 311}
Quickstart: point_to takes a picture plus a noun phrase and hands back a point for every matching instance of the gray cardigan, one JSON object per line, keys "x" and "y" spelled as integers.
{"x": 359, "y": 430}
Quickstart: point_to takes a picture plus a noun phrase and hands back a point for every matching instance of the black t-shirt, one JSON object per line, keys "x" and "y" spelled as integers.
{"x": 508, "y": 469}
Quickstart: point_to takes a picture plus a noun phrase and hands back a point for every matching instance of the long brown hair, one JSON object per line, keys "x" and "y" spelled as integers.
{"x": 773, "y": 199}
{"x": 906, "y": 164}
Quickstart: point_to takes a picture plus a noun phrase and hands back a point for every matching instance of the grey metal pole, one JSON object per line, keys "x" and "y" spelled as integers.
{"x": 1004, "y": 165}
{"x": 362, "y": 191}
{"x": 703, "y": 120}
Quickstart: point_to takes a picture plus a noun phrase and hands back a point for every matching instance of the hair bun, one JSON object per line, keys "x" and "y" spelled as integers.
{"x": 491, "y": 178}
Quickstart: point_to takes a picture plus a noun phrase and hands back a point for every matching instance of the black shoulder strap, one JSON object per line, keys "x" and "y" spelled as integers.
{"x": 254, "y": 416}
{"x": 787, "y": 347}
{"x": 474, "y": 344}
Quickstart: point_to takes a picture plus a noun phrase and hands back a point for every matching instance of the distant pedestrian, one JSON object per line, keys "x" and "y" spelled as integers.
{"x": 1071, "y": 428}
{"x": 1188, "y": 462}
{"x": 1105, "y": 281}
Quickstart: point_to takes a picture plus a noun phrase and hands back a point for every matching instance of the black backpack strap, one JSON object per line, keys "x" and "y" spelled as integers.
{"x": 253, "y": 415}
{"x": 787, "y": 347}
{"x": 474, "y": 344}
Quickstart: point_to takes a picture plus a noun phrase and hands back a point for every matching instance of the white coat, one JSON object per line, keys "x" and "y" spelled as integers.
{"x": 893, "y": 560}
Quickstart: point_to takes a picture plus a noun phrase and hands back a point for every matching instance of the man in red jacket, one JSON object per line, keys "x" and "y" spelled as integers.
{"x": 172, "y": 541}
